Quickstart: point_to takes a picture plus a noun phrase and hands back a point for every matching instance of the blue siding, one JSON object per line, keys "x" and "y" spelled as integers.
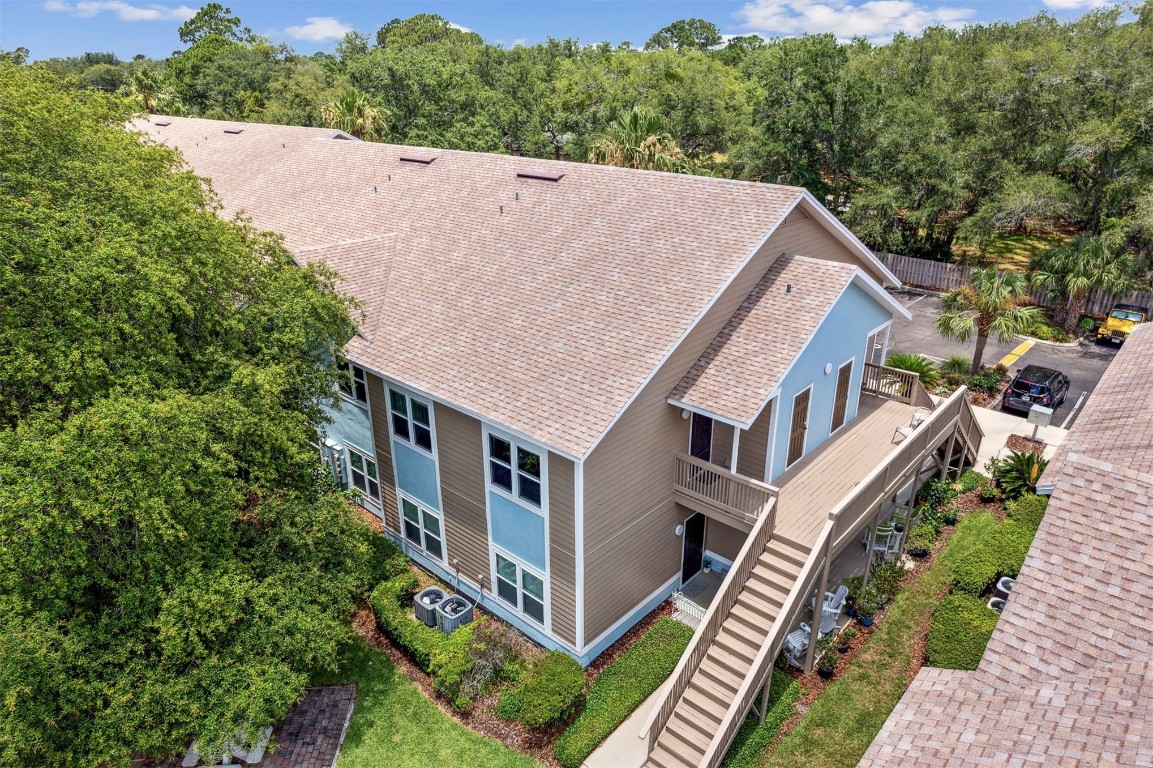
{"x": 350, "y": 424}
{"x": 517, "y": 530}
{"x": 842, "y": 335}
{"x": 416, "y": 474}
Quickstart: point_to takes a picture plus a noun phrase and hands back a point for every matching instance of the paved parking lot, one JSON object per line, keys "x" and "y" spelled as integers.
{"x": 1083, "y": 364}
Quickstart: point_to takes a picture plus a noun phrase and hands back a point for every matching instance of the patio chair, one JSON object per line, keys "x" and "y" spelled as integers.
{"x": 918, "y": 418}
{"x": 905, "y": 516}
{"x": 796, "y": 645}
{"x": 887, "y": 541}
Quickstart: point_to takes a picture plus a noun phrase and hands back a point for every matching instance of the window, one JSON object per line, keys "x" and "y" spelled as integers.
{"x": 422, "y": 528}
{"x": 522, "y": 478}
{"x": 362, "y": 474}
{"x": 411, "y": 420}
{"x": 520, "y": 587}
{"x": 353, "y": 384}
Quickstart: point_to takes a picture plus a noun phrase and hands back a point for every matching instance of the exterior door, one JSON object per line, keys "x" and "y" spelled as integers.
{"x": 694, "y": 549}
{"x": 799, "y": 426}
{"x": 701, "y": 440}
{"x": 841, "y": 402}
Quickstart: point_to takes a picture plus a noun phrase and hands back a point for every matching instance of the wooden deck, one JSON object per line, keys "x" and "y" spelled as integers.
{"x": 812, "y": 487}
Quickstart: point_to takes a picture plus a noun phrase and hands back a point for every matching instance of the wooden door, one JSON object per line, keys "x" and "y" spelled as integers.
{"x": 841, "y": 402}
{"x": 701, "y": 439}
{"x": 693, "y": 554}
{"x": 799, "y": 426}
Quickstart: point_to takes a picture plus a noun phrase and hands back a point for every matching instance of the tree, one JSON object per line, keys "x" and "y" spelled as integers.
{"x": 686, "y": 34}
{"x": 422, "y": 29}
{"x": 144, "y": 85}
{"x": 172, "y": 563}
{"x": 351, "y": 111}
{"x": 637, "y": 139}
{"x": 991, "y": 303}
{"x": 213, "y": 20}
{"x": 1070, "y": 270}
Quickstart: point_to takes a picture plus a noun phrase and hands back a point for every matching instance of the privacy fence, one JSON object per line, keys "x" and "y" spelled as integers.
{"x": 939, "y": 276}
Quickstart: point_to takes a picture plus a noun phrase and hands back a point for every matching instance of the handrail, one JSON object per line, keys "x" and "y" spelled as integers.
{"x": 710, "y": 626}
{"x": 736, "y": 496}
{"x": 893, "y": 383}
{"x": 767, "y": 653}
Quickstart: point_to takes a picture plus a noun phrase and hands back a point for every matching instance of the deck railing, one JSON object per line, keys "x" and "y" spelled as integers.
{"x": 710, "y": 626}
{"x": 895, "y": 384}
{"x": 740, "y": 498}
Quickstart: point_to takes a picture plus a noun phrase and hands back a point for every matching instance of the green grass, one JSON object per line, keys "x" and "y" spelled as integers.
{"x": 960, "y": 630}
{"x": 394, "y": 723}
{"x": 621, "y": 687}
{"x": 755, "y": 737}
{"x": 1013, "y": 251}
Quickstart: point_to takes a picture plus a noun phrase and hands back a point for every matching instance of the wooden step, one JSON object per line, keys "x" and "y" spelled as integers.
{"x": 705, "y": 686}
{"x": 754, "y": 624}
{"x": 736, "y": 664}
{"x": 719, "y": 676}
{"x": 731, "y": 642}
{"x": 788, "y": 554}
{"x": 796, "y": 546}
{"x": 705, "y": 715}
{"x": 770, "y": 583}
{"x": 661, "y": 757}
{"x": 679, "y": 737}
{"x": 753, "y": 601}
{"x": 773, "y": 561}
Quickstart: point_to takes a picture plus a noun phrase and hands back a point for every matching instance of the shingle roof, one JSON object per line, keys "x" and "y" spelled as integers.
{"x": 748, "y": 358}
{"x": 541, "y": 305}
{"x": 1066, "y": 678}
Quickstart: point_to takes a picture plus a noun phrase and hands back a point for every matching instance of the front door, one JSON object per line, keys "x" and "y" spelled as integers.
{"x": 694, "y": 550}
{"x": 701, "y": 440}
{"x": 841, "y": 401}
{"x": 799, "y": 427}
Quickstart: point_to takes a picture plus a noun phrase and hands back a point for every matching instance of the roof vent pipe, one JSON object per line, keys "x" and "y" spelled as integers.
{"x": 788, "y": 287}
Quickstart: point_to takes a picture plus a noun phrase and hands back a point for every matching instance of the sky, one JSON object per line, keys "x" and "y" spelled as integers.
{"x": 56, "y": 28}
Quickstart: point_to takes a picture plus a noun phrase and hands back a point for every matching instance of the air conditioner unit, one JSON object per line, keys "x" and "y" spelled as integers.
{"x": 333, "y": 456}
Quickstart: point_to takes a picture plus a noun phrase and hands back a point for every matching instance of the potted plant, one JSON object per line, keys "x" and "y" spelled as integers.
{"x": 708, "y": 565}
{"x": 920, "y": 540}
{"x": 869, "y": 601}
{"x": 949, "y": 516}
{"x": 827, "y": 662}
{"x": 844, "y": 638}
{"x": 854, "y": 585}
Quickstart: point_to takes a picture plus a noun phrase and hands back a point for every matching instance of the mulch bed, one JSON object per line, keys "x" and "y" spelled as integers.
{"x": 1022, "y": 444}
{"x": 481, "y": 717}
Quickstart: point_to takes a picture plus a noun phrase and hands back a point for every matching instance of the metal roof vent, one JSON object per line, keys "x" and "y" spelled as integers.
{"x": 234, "y": 131}
{"x": 163, "y": 123}
{"x": 542, "y": 175}
{"x": 422, "y": 159}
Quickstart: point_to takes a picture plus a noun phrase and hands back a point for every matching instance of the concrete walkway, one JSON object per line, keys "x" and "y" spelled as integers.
{"x": 998, "y": 426}
{"x": 623, "y": 748}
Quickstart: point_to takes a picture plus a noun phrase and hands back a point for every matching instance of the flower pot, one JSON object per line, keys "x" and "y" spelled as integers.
{"x": 866, "y": 621}
{"x": 843, "y": 648}
{"x": 851, "y": 613}
{"x": 826, "y": 672}
{"x": 919, "y": 552}
{"x": 950, "y": 519}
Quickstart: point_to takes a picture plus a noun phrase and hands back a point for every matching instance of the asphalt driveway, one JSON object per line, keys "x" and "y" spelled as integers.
{"x": 1083, "y": 364}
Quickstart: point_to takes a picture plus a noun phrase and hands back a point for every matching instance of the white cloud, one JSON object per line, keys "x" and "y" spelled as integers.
{"x": 125, "y": 11}
{"x": 1073, "y": 5}
{"x": 459, "y": 27}
{"x": 874, "y": 19}
{"x": 318, "y": 29}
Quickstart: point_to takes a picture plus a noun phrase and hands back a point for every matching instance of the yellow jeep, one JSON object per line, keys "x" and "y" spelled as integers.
{"x": 1123, "y": 318}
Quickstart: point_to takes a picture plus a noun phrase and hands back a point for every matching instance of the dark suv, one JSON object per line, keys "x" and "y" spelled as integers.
{"x": 1035, "y": 385}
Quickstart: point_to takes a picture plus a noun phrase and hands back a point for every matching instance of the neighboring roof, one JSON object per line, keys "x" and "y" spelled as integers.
{"x": 750, "y": 356}
{"x": 541, "y": 305}
{"x": 1066, "y": 678}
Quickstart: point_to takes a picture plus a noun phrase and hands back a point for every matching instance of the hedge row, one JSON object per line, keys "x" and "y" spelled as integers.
{"x": 754, "y": 738}
{"x": 621, "y": 688}
{"x": 550, "y": 692}
{"x": 991, "y": 550}
{"x": 959, "y": 631}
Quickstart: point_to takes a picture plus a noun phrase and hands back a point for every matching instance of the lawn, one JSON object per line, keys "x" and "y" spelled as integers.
{"x": 395, "y": 725}
{"x": 1012, "y": 251}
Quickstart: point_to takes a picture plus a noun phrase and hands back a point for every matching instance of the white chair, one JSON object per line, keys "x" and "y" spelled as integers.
{"x": 797, "y": 645}
{"x": 887, "y": 541}
{"x": 918, "y": 418}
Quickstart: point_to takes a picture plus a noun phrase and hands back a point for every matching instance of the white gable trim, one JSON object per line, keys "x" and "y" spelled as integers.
{"x": 692, "y": 326}
{"x": 847, "y": 238}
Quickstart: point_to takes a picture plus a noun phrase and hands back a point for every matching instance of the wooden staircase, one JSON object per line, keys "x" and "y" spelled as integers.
{"x": 699, "y": 713}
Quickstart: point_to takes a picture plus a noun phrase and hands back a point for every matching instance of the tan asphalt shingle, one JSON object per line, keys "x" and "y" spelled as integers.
{"x": 748, "y": 358}
{"x": 546, "y": 317}
{"x": 1066, "y": 678}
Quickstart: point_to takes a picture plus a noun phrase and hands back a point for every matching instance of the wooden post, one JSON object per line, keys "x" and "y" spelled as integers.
{"x": 818, "y": 604}
{"x": 764, "y": 708}
{"x": 949, "y": 455}
{"x": 733, "y": 456}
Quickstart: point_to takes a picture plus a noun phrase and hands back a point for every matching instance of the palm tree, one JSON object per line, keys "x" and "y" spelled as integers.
{"x": 1069, "y": 271}
{"x": 145, "y": 85}
{"x": 352, "y": 112}
{"x": 991, "y": 302}
{"x": 638, "y": 139}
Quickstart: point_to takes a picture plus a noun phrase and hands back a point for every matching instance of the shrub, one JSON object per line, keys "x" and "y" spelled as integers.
{"x": 886, "y": 578}
{"x": 1018, "y": 474}
{"x": 921, "y": 538}
{"x": 1086, "y": 324}
{"x": 969, "y": 481}
{"x": 1013, "y": 542}
{"x": 959, "y": 631}
{"x": 550, "y": 692}
{"x": 957, "y": 365}
{"x": 984, "y": 381}
{"x": 870, "y": 601}
{"x": 934, "y": 517}
{"x": 918, "y": 364}
{"x": 935, "y": 493}
{"x": 494, "y": 656}
{"x": 417, "y": 640}
{"x": 969, "y": 557}
{"x": 622, "y": 686}
{"x": 450, "y": 660}
{"x": 1059, "y": 334}
{"x": 386, "y": 561}
{"x": 1027, "y": 510}
{"x": 1041, "y": 331}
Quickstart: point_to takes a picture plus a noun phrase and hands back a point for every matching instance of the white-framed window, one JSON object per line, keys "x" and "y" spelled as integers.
{"x": 363, "y": 475}
{"x": 519, "y": 586}
{"x": 422, "y": 527}
{"x": 353, "y": 383}
{"x": 411, "y": 420}
{"x": 516, "y": 470}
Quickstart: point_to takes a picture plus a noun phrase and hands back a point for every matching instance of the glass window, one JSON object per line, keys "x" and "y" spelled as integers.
{"x": 527, "y": 474}
{"x": 363, "y": 475}
{"x": 525, "y": 593}
{"x": 500, "y": 462}
{"x": 353, "y": 383}
{"x": 422, "y": 527}
{"x": 411, "y": 420}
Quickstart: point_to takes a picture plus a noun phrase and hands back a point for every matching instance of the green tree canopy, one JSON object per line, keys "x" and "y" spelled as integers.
{"x": 1069, "y": 271}
{"x": 637, "y": 139}
{"x": 213, "y": 20}
{"x": 686, "y": 34}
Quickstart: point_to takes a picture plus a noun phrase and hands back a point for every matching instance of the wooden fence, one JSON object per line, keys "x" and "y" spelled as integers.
{"x": 939, "y": 276}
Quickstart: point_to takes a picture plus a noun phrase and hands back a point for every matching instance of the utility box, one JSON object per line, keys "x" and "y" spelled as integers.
{"x": 454, "y": 612}
{"x": 425, "y": 603}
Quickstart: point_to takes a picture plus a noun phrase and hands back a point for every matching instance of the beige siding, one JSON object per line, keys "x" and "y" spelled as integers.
{"x": 752, "y": 451}
{"x": 460, "y": 453}
{"x": 562, "y": 547}
{"x": 378, "y": 399}
{"x": 724, "y": 540}
{"x": 629, "y": 515}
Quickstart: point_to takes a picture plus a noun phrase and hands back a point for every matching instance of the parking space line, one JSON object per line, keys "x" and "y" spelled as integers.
{"x": 1015, "y": 355}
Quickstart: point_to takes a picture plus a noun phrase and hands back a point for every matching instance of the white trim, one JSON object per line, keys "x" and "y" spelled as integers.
{"x": 667, "y": 587}
{"x": 374, "y": 504}
{"x": 579, "y": 548}
{"x": 733, "y": 455}
{"x": 805, "y": 440}
{"x": 848, "y": 395}
{"x": 771, "y": 452}
{"x": 847, "y": 238}
{"x": 421, "y": 507}
{"x": 411, "y": 441}
{"x": 546, "y": 625}
{"x": 877, "y": 291}
{"x": 705, "y": 412}
{"x": 542, "y": 454}
{"x": 733, "y": 274}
